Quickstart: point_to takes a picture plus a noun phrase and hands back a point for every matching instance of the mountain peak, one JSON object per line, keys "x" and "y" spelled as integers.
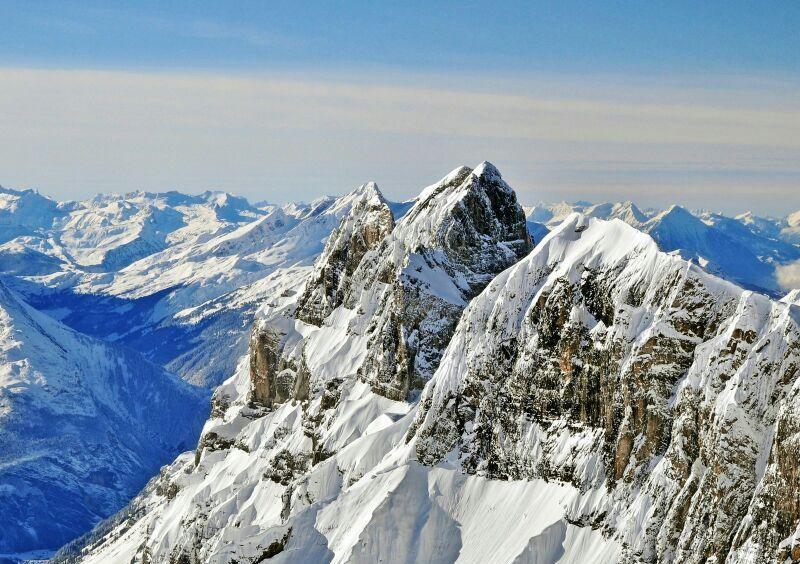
{"x": 369, "y": 191}
{"x": 368, "y": 221}
{"x": 487, "y": 170}
{"x": 478, "y": 196}
{"x": 676, "y": 216}
{"x": 676, "y": 210}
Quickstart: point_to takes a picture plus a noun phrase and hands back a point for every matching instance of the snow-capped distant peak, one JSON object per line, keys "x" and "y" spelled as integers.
{"x": 676, "y": 213}
{"x": 793, "y": 297}
{"x": 368, "y": 192}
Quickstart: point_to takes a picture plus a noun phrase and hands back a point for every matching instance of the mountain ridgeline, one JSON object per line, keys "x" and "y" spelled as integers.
{"x": 437, "y": 389}
{"x": 408, "y": 283}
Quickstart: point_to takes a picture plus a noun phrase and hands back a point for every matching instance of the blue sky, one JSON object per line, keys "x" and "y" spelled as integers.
{"x": 505, "y": 36}
{"x": 694, "y": 102}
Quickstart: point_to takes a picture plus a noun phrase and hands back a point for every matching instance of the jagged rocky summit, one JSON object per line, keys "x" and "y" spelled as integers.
{"x": 396, "y": 290}
{"x": 435, "y": 391}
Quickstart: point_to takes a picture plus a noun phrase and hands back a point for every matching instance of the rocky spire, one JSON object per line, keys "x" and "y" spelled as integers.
{"x": 368, "y": 222}
{"x": 461, "y": 233}
{"x": 405, "y": 285}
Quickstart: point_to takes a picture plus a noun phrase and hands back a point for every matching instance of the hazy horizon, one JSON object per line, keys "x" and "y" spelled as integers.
{"x": 697, "y": 105}
{"x": 256, "y": 199}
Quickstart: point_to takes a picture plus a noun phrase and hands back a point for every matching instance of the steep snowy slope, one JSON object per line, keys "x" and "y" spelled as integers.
{"x": 398, "y": 290}
{"x": 599, "y": 401}
{"x": 83, "y": 424}
{"x": 745, "y": 249}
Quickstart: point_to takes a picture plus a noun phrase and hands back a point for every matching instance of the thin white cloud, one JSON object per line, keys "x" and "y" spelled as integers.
{"x": 80, "y": 127}
{"x": 223, "y": 32}
{"x": 788, "y": 275}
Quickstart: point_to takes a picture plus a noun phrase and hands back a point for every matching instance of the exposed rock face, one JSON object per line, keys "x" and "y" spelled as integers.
{"x": 264, "y": 366}
{"x": 458, "y": 236}
{"x": 601, "y": 362}
{"x": 369, "y": 221}
{"x": 406, "y": 285}
{"x": 274, "y": 378}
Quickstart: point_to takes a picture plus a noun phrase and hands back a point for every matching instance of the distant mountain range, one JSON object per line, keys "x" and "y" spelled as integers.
{"x": 746, "y": 249}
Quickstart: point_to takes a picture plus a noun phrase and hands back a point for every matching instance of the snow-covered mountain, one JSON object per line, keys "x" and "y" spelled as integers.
{"x": 433, "y": 392}
{"x": 551, "y": 215}
{"x": 195, "y": 269}
{"x": 186, "y": 303}
{"x": 108, "y": 232}
{"x": 745, "y": 249}
{"x": 412, "y": 367}
{"x": 166, "y": 274}
{"x": 83, "y": 425}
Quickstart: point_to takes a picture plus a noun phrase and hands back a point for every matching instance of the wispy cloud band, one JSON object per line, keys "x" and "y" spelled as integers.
{"x": 105, "y": 122}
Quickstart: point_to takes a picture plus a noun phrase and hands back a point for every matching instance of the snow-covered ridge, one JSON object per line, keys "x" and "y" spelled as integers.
{"x": 599, "y": 401}
{"x": 746, "y": 249}
{"x": 369, "y": 220}
{"x": 666, "y": 396}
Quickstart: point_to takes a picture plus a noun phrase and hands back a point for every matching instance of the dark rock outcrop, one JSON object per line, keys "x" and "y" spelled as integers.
{"x": 369, "y": 221}
{"x": 457, "y": 237}
{"x": 408, "y": 283}
{"x": 621, "y": 370}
